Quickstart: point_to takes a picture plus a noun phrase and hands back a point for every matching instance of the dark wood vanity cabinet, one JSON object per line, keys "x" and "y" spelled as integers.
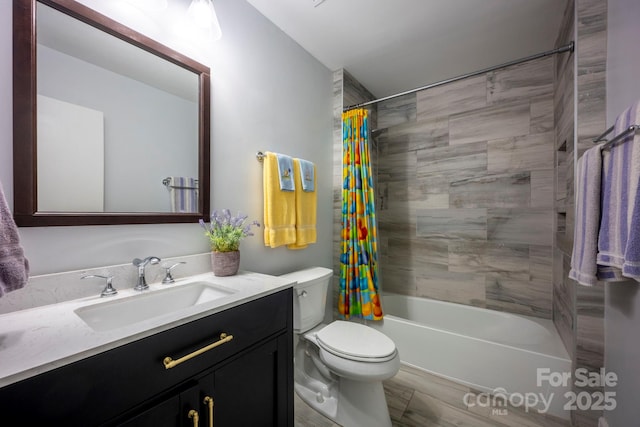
{"x": 249, "y": 379}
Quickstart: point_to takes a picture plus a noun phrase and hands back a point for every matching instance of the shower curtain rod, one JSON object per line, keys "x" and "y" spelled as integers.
{"x": 566, "y": 48}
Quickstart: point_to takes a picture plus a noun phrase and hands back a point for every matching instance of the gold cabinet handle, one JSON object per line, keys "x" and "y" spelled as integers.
{"x": 170, "y": 363}
{"x": 193, "y": 415}
{"x": 209, "y": 402}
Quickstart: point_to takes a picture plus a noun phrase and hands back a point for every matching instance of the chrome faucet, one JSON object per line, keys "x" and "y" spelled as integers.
{"x": 141, "y": 264}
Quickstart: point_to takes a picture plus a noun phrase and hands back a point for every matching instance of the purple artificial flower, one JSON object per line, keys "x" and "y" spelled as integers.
{"x": 226, "y": 231}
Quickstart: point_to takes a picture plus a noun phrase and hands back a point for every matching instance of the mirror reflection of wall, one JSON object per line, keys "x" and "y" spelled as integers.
{"x": 71, "y": 139}
{"x": 149, "y": 106}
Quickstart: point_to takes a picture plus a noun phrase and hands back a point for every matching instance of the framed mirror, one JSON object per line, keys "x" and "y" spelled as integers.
{"x": 110, "y": 126}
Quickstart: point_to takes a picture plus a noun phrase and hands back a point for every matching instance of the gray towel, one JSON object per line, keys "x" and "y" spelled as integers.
{"x": 584, "y": 269}
{"x": 14, "y": 267}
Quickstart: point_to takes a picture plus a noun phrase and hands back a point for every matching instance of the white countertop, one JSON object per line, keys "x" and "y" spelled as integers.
{"x": 40, "y": 339}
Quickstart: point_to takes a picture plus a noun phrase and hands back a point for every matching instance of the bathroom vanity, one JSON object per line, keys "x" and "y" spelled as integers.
{"x": 226, "y": 362}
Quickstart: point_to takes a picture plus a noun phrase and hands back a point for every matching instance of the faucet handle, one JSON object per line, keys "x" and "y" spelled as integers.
{"x": 108, "y": 289}
{"x": 168, "y": 278}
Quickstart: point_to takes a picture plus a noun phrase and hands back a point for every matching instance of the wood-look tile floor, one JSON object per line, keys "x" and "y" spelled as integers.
{"x": 419, "y": 399}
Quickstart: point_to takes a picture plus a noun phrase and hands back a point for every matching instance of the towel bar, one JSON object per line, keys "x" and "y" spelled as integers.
{"x": 260, "y": 156}
{"x": 619, "y": 137}
{"x": 167, "y": 181}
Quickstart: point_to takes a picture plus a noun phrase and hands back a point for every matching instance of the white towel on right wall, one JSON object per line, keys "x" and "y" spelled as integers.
{"x": 584, "y": 269}
{"x": 619, "y": 237}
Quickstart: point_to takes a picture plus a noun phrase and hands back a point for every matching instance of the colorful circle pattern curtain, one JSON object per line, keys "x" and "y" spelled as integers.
{"x": 359, "y": 295}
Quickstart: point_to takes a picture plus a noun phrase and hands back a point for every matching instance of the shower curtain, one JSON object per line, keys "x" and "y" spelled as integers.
{"x": 359, "y": 248}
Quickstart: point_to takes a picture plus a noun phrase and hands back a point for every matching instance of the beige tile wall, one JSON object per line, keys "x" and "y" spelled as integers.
{"x": 563, "y": 288}
{"x": 578, "y": 311}
{"x": 465, "y": 191}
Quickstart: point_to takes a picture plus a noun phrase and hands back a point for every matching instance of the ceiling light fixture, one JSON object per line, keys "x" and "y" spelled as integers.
{"x": 202, "y": 15}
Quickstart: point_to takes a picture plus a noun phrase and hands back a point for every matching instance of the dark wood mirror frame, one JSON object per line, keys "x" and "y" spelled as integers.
{"x": 25, "y": 115}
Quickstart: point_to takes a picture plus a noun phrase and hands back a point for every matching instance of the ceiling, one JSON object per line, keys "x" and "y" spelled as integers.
{"x": 395, "y": 45}
{"x": 73, "y": 37}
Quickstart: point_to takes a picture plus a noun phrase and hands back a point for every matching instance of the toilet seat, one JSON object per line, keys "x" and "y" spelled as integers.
{"x": 357, "y": 342}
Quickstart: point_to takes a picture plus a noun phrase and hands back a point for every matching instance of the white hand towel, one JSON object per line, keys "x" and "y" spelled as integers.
{"x": 584, "y": 269}
{"x": 183, "y": 194}
{"x": 619, "y": 238}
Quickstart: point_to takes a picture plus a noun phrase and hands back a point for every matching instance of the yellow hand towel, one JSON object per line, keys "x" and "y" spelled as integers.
{"x": 306, "y": 208}
{"x": 279, "y": 207}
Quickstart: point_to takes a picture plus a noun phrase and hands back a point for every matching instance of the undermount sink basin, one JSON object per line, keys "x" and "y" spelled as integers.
{"x": 115, "y": 314}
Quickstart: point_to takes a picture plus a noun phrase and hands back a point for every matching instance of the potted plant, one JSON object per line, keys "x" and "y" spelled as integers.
{"x": 225, "y": 232}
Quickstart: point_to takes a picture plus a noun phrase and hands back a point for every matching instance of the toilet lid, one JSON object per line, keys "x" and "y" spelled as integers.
{"x": 355, "y": 340}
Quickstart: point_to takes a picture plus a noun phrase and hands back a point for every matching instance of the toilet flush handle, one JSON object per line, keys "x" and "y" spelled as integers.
{"x": 302, "y": 294}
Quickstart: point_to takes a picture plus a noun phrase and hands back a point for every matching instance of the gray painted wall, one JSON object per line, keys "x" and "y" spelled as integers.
{"x": 623, "y": 61}
{"x": 622, "y": 301}
{"x": 267, "y": 94}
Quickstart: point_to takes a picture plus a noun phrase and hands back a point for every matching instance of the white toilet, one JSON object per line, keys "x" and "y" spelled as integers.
{"x": 339, "y": 367}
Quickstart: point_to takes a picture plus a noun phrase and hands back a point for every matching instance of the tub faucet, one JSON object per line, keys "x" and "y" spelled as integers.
{"x": 141, "y": 264}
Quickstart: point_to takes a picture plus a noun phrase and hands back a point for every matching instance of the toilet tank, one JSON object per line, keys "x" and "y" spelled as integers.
{"x": 309, "y": 296}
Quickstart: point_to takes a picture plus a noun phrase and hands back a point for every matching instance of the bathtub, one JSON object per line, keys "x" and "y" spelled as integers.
{"x": 488, "y": 350}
